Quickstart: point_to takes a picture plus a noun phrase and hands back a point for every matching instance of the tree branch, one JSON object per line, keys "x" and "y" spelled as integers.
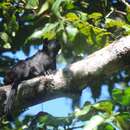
{"x": 72, "y": 79}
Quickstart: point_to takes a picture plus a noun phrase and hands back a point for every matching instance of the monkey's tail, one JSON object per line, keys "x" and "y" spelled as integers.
{"x": 8, "y": 109}
{"x": 9, "y": 104}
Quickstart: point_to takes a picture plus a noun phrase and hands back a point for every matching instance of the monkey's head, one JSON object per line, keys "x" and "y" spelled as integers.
{"x": 52, "y": 46}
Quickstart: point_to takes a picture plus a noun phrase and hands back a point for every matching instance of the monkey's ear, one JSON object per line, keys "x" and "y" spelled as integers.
{"x": 45, "y": 41}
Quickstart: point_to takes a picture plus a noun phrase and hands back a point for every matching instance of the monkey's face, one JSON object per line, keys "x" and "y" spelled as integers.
{"x": 54, "y": 46}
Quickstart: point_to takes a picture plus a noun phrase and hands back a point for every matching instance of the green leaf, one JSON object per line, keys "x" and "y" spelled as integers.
{"x": 71, "y": 32}
{"x": 48, "y": 119}
{"x": 64, "y": 36}
{"x": 69, "y": 4}
{"x": 127, "y": 28}
{"x": 103, "y": 38}
{"x": 49, "y": 31}
{"x": 18, "y": 123}
{"x": 43, "y": 8}
{"x": 122, "y": 96}
{"x": 124, "y": 121}
{"x": 71, "y": 17}
{"x": 79, "y": 44}
{"x": 56, "y": 7}
{"x": 118, "y": 23}
{"x": 85, "y": 113}
{"x": 106, "y": 126}
{"x": 103, "y": 106}
{"x": 117, "y": 95}
{"x": 112, "y": 23}
{"x": 5, "y": 38}
{"x": 27, "y": 118}
{"x": 32, "y": 4}
{"x": 94, "y": 122}
{"x": 83, "y": 27}
{"x": 128, "y": 16}
{"x": 83, "y": 16}
{"x": 13, "y": 25}
{"x": 95, "y": 16}
{"x": 43, "y": 119}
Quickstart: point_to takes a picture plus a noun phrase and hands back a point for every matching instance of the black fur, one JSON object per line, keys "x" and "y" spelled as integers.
{"x": 43, "y": 61}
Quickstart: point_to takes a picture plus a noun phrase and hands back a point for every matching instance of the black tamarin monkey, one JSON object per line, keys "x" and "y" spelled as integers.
{"x": 43, "y": 61}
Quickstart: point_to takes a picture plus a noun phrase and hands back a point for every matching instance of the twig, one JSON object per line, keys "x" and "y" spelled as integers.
{"x": 126, "y": 3}
{"x": 77, "y": 127}
{"x": 121, "y": 12}
{"x": 112, "y": 10}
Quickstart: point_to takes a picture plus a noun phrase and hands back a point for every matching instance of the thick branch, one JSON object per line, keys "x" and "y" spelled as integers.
{"x": 72, "y": 79}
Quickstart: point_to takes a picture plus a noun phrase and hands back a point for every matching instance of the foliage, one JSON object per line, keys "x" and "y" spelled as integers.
{"x": 96, "y": 116}
{"x": 82, "y": 27}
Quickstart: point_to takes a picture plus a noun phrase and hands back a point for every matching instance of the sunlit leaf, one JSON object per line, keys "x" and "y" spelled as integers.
{"x": 4, "y": 36}
{"x": 112, "y": 23}
{"x": 83, "y": 16}
{"x": 71, "y": 17}
{"x": 95, "y": 16}
{"x": 103, "y": 106}
{"x": 94, "y": 122}
{"x": 71, "y": 32}
{"x": 43, "y": 8}
{"x": 127, "y": 28}
{"x": 32, "y": 4}
{"x": 47, "y": 32}
{"x": 64, "y": 37}
{"x": 83, "y": 111}
{"x": 118, "y": 23}
{"x": 56, "y": 7}
{"x": 69, "y": 4}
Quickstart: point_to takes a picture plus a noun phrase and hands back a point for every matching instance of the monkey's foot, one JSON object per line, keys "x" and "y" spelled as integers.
{"x": 47, "y": 80}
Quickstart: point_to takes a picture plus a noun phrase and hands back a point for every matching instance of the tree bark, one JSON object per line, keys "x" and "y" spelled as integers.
{"x": 72, "y": 79}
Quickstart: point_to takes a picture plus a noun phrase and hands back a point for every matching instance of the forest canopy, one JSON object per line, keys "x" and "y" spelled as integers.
{"x": 93, "y": 34}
